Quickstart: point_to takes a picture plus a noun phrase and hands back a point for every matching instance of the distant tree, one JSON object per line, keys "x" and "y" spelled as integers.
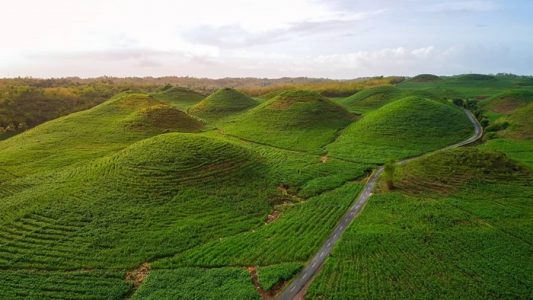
{"x": 484, "y": 122}
{"x": 389, "y": 169}
{"x": 459, "y": 102}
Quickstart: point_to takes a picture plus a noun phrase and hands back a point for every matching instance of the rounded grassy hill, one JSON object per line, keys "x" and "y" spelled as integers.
{"x": 93, "y": 133}
{"x": 298, "y": 119}
{"x": 179, "y": 97}
{"x": 425, "y": 78}
{"x": 222, "y": 103}
{"x": 403, "y": 128}
{"x": 371, "y": 98}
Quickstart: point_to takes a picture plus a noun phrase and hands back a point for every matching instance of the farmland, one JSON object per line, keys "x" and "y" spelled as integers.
{"x": 179, "y": 192}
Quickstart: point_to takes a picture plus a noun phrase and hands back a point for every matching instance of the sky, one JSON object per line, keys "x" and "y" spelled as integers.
{"x": 266, "y": 38}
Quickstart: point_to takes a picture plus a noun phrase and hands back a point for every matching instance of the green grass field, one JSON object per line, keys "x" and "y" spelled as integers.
{"x": 457, "y": 226}
{"x": 167, "y": 193}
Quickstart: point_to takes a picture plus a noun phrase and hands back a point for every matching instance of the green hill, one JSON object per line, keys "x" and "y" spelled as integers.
{"x": 425, "y": 78}
{"x": 508, "y": 101}
{"x": 403, "y": 128}
{"x": 371, "y": 98}
{"x": 156, "y": 196}
{"x": 458, "y": 224}
{"x": 86, "y": 135}
{"x": 222, "y": 103}
{"x": 179, "y": 97}
{"x": 301, "y": 120}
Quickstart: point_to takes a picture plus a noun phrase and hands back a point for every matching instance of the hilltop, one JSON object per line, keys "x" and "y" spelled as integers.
{"x": 222, "y": 103}
{"x": 371, "y": 98}
{"x": 296, "y": 119}
{"x": 425, "y": 78}
{"x": 179, "y": 97}
{"x": 89, "y": 134}
{"x": 402, "y": 128}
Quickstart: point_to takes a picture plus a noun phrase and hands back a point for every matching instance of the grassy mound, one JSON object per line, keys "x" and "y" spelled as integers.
{"x": 425, "y": 78}
{"x": 158, "y": 196}
{"x": 475, "y": 77}
{"x": 222, "y": 103}
{"x": 179, "y": 97}
{"x": 297, "y": 119}
{"x": 371, "y": 98}
{"x": 90, "y": 134}
{"x": 166, "y": 118}
{"x": 508, "y": 101}
{"x": 403, "y": 128}
{"x": 444, "y": 171}
{"x": 521, "y": 123}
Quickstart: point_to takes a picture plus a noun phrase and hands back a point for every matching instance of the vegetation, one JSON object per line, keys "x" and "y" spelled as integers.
{"x": 161, "y": 192}
{"x": 222, "y": 103}
{"x": 300, "y": 120}
{"x": 469, "y": 242}
{"x": 403, "y": 128}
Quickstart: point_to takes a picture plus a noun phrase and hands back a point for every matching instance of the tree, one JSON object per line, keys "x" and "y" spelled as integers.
{"x": 389, "y": 169}
{"x": 459, "y": 102}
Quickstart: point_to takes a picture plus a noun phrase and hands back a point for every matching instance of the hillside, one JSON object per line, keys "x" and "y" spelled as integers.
{"x": 222, "y": 103}
{"x": 301, "y": 120}
{"x": 86, "y": 135}
{"x": 371, "y": 98}
{"x": 425, "y": 78}
{"x": 403, "y": 128}
{"x": 458, "y": 220}
{"x": 508, "y": 101}
{"x": 179, "y": 97}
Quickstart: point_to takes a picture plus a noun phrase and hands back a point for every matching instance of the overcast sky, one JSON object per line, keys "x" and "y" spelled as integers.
{"x": 264, "y": 38}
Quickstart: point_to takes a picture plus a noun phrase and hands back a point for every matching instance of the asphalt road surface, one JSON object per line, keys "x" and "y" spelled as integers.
{"x": 305, "y": 276}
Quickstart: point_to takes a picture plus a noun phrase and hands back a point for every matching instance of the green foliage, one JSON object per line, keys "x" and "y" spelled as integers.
{"x": 470, "y": 244}
{"x": 300, "y": 120}
{"x": 371, "y": 98}
{"x": 269, "y": 276}
{"x": 197, "y": 283}
{"x": 179, "y": 97}
{"x": 388, "y": 173}
{"x": 33, "y": 284}
{"x": 222, "y": 103}
{"x": 403, "y": 128}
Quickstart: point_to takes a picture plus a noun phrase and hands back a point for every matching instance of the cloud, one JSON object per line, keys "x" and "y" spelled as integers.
{"x": 235, "y": 35}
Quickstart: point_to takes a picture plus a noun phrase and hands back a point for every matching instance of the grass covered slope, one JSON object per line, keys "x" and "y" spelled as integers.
{"x": 222, "y": 103}
{"x": 471, "y": 242}
{"x": 403, "y": 128}
{"x": 156, "y": 197}
{"x": 86, "y": 135}
{"x": 508, "y": 101}
{"x": 371, "y": 98}
{"x": 179, "y": 97}
{"x": 301, "y": 120}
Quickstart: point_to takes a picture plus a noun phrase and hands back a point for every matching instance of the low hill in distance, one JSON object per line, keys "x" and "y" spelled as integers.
{"x": 179, "y": 97}
{"x": 222, "y": 103}
{"x": 297, "y": 119}
{"x": 425, "y": 78}
{"x": 402, "y": 128}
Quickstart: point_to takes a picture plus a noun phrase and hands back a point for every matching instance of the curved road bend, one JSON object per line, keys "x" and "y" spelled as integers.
{"x": 307, "y": 273}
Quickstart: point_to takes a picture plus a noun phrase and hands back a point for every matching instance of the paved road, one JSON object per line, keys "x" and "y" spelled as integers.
{"x": 305, "y": 276}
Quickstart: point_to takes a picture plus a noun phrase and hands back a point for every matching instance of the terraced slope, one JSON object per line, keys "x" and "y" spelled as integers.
{"x": 403, "y": 128}
{"x": 457, "y": 225}
{"x": 179, "y": 97}
{"x": 86, "y": 135}
{"x": 301, "y": 120}
{"x": 371, "y": 98}
{"x": 222, "y": 103}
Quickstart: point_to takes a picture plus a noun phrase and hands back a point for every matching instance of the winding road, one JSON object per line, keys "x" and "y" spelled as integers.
{"x": 305, "y": 276}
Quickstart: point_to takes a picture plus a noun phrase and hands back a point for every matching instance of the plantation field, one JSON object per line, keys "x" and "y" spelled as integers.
{"x": 167, "y": 192}
{"x": 406, "y": 127}
{"x": 462, "y": 235}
